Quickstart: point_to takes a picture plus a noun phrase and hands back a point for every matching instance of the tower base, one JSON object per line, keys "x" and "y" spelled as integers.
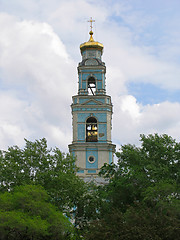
{"x": 91, "y": 157}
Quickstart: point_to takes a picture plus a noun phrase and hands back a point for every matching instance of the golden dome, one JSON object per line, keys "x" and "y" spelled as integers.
{"x": 91, "y": 44}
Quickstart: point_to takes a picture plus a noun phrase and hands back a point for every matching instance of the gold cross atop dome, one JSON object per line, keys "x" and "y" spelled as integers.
{"x": 91, "y": 21}
{"x": 91, "y": 43}
{"x": 91, "y": 32}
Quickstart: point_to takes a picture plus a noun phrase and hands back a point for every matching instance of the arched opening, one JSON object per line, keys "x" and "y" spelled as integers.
{"x": 91, "y": 86}
{"x": 91, "y": 130}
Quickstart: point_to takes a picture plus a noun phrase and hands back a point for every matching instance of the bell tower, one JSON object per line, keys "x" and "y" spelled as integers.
{"x": 91, "y": 112}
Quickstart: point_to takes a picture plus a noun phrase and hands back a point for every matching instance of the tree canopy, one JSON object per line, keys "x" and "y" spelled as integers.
{"x": 141, "y": 200}
{"x": 37, "y": 164}
{"x": 27, "y": 213}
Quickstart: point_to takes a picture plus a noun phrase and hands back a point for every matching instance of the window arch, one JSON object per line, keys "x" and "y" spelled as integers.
{"x": 91, "y": 130}
{"x": 91, "y": 86}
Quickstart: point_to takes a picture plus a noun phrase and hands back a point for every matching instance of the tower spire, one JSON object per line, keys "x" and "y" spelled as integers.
{"x": 91, "y": 21}
{"x": 91, "y": 32}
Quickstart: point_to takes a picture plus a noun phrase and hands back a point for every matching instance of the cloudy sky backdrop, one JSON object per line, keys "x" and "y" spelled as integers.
{"x": 39, "y": 54}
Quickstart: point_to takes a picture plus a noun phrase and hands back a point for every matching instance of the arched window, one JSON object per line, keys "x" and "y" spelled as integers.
{"x": 91, "y": 86}
{"x": 91, "y": 130}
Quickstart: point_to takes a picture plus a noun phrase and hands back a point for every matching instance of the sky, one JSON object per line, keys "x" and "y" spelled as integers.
{"x": 39, "y": 55}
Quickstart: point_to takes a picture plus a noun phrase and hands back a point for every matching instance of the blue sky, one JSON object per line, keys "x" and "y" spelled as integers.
{"x": 152, "y": 94}
{"x": 39, "y": 54}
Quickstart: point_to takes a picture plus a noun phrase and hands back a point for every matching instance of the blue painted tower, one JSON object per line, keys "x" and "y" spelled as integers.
{"x": 92, "y": 113}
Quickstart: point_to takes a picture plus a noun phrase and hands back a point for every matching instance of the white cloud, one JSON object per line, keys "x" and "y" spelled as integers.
{"x": 138, "y": 64}
{"x": 36, "y": 67}
{"x": 39, "y": 52}
{"x": 13, "y": 129}
{"x": 132, "y": 119}
{"x": 129, "y": 105}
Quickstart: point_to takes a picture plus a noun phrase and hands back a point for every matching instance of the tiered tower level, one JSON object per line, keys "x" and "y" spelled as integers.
{"x": 92, "y": 113}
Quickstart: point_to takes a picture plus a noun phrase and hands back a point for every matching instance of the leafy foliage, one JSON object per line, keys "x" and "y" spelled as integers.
{"x": 26, "y": 213}
{"x": 37, "y": 164}
{"x": 142, "y": 199}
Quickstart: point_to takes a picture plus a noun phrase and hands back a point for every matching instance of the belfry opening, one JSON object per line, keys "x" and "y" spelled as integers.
{"x": 91, "y": 86}
{"x": 91, "y": 130}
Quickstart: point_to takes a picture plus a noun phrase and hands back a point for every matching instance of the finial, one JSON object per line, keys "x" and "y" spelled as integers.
{"x": 91, "y": 21}
{"x": 91, "y": 32}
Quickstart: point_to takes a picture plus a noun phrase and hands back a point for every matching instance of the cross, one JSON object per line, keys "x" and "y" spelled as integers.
{"x": 91, "y": 21}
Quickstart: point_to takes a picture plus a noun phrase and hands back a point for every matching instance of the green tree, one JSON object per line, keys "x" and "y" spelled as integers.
{"x": 56, "y": 172}
{"x": 50, "y": 168}
{"x": 156, "y": 161}
{"x": 137, "y": 223}
{"x": 27, "y": 213}
{"x": 142, "y": 199}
